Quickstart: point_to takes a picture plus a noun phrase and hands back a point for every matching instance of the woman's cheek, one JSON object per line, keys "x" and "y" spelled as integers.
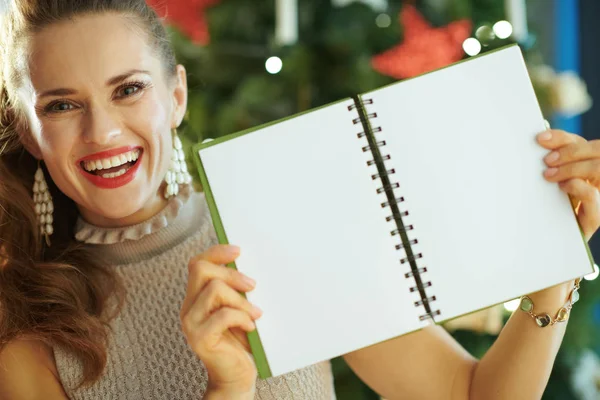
{"x": 151, "y": 112}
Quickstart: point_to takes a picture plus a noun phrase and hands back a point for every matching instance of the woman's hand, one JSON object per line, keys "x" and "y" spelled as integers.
{"x": 214, "y": 318}
{"x": 575, "y": 164}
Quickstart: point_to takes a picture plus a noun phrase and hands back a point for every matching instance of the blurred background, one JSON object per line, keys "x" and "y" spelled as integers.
{"x": 255, "y": 61}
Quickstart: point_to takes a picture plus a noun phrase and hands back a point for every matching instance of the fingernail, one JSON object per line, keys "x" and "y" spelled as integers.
{"x": 552, "y": 157}
{"x": 233, "y": 250}
{"x": 248, "y": 280}
{"x": 551, "y": 171}
{"x": 256, "y": 312}
{"x": 545, "y": 136}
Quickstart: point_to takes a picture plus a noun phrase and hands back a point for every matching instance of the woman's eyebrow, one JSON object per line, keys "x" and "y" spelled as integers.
{"x": 112, "y": 81}
{"x": 58, "y": 92}
{"x": 120, "y": 78}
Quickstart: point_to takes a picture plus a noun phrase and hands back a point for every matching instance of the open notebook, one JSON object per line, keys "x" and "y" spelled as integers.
{"x": 409, "y": 205}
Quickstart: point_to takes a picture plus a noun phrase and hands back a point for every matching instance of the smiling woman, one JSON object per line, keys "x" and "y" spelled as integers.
{"x": 89, "y": 155}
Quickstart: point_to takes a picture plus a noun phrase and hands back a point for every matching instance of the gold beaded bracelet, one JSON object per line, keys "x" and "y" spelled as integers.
{"x": 562, "y": 315}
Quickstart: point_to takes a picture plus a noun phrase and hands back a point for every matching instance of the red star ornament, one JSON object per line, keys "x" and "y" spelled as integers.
{"x": 188, "y": 15}
{"x": 424, "y": 49}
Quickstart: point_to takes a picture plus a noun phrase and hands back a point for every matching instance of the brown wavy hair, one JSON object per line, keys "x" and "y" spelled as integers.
{"x": 63, "y": 295}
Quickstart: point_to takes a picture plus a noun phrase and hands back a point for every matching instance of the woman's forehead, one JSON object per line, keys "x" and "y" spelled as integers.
{"x": 88, "y": 50}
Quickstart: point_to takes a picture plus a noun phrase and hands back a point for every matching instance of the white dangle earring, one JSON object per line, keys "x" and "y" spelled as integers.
{"x": 178, "y": 173}
{"x": 44, "y": 207}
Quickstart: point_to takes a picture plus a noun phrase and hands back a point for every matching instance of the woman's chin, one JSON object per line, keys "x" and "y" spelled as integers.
{"x": 122, "y": 210}
{"x": 121, "y": 213}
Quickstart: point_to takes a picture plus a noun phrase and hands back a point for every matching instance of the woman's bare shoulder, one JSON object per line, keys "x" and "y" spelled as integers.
{"x": 28, "y": 371}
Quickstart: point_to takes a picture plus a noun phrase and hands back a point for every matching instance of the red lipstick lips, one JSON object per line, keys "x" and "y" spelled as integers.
{"x": 111, "y": 183}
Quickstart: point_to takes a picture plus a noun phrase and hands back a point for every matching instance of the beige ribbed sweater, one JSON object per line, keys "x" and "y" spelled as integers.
{"x": 148, "y": 357}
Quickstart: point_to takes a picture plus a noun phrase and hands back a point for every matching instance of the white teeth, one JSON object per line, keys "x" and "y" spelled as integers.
{"x": 115, "y": 161}
{"x": 115, "y": 174}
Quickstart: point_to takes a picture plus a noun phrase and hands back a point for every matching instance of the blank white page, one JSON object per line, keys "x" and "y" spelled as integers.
{"x": 298, "y": 198}
{"x": 489, "y": 226}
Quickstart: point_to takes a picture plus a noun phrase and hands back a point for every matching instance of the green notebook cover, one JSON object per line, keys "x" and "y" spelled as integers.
{"x": 257, "y": 349}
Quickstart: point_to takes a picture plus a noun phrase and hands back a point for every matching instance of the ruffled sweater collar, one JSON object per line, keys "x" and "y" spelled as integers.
{"x": 182, "y": 216}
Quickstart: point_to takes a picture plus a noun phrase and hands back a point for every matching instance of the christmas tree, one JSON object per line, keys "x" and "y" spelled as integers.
{"x": 252, "y": 62}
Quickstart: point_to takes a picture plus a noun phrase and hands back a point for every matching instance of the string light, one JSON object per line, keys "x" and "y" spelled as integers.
{"x": 383, "y": 20}
{"x": 273, "y": 65}
{"x": 593, "y": 275}
{"x": 485, "y": 34}
{"x": 471, "y": 46}
{"x": 512, "y": 305}
{"x": 503, "y": 29}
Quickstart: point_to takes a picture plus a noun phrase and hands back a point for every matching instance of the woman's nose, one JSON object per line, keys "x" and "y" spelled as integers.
{"x": 101, "y": 126}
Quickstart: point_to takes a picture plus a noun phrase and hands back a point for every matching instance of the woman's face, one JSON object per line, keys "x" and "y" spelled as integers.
{"x": 101, "y": 111}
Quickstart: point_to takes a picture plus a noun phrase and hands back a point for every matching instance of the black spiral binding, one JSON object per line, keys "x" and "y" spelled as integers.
{"x": 383, "y": 173}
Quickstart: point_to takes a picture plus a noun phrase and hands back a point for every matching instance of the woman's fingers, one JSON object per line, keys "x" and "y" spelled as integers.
{"x": 203, "y": 268}
{"x": 215, "y": 295}
{"x": 209, "y": 334}
{"x": 219, "y": 254}
{"x": 215, "y": 316}
{"x": 555, "y": 138}
{"x": 571, "y": 157}
{"x": 576, "y": 151}
{"x": 586, "y": 170}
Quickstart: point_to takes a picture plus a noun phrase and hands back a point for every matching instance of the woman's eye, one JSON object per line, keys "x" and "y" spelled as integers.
{"x": 60, "y": 107}
{"x": 129, "y": 90}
